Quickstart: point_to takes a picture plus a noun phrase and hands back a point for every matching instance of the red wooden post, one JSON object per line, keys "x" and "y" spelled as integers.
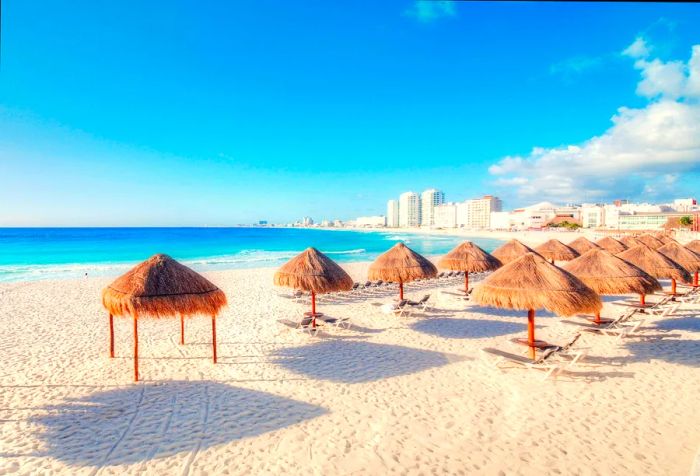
{"x": 182, "y": 330}
{"x": 213, "y": 335}
{"x": 597, "y": 318}
{"x": 313, "y": 309}
{"x": 400, "y": 289}
{"x": 531, "y": 332}
{"x": 111, "y": 336}
{"x": 695, "y": 280}
{"x": 642, "y": 300}
{"x": 466, "y": 282}
{"x": 136, "y": 350}
{"x": 673, "y": 286}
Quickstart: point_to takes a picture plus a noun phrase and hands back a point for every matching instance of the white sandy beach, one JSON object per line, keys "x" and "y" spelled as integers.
{"x": 390, "y": 395}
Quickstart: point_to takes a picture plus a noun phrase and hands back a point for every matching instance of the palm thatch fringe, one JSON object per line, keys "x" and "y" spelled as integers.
{"x": 533, "y": 283}
{"x": 681, "y": 255}
{"x": 694, "y": 246}
{"x": 583, "y": 245}
{"x": 400, "y": 264}
{"x": 556, "y": 250}
{"x": 470, "y": 258}
{"x": 655, "y": 263}
{"x": 162, "y": 287}
{"x": 312, "y": 270}
{"x": 605, "y": 273}
{"x": 511, "y": 251}
{"x": 651, "y": 241}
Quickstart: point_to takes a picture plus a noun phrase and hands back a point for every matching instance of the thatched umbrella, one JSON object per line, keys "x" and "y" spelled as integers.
{"x": 651, "y": 241}
{"x": 313, "y": 272}
{"x": 469, "y": 258}
{"x": 694, "y": 246}
{"x": 611, "y": 244}
{"x": 655, "y": 264}
{"x": 690, "y": 260}
{"x": 161, "y": 287}
{"x": 401, "y": 265}
{"x": 666, "y": 239}
{"x": 583, "y": 245}
{"x": 630, "y": 241}
{"x": 555, "y": 250}
{"x": 605, "y": 273}
{"x": 531, "y": 283}
{"x": 511, "y": 251}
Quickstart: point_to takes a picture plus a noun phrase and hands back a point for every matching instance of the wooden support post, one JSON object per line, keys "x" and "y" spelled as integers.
{"x": 136, "y": 350}
{"x": 401, "y": 290}
{"x": 466, "y": 282}
{"x": 695, "y": 280}
{"x": 111, "y": 336}
{"x": 182, "y": 330}
{"x": 531, "y": 332}
{"x": 213, "y": 335}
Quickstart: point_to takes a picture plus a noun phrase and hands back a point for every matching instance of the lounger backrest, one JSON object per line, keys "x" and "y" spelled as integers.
{"x": 425, "y": 298}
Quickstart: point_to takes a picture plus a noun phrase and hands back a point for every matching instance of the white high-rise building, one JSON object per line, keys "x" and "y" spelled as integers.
{"x": 409, "y": 209}
{"x": 480, "y": 211}
{"x": 445, "y": 215}
{"x": 429, "y": 200}
{"x": 392, "y": 214}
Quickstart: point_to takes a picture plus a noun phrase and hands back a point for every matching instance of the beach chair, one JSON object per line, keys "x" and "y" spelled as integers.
{"x": 399, "y": 309}
{"x": 338, "y": 322}
{"x": 666, "y": 310}
{"x": 504, "y": 359}
{"x": 422, "y": 304}
{"x": 305, "y": 326}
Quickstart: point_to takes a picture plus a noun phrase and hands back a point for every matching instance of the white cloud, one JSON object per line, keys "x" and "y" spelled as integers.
{"x": 644, "y": 150}
{"x": 430, "y": 10}
{"x": 638, "y": 48}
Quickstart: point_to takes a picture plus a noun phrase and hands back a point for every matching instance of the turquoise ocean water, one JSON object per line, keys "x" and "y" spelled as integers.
{"x": 57, "y": 253}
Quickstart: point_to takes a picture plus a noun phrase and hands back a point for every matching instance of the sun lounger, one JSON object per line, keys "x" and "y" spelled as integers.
{"x": 503, "y": 358}
{"x": 335, "y": 321}
{"x": 399, "y": 309}
{"x": 423, "y": 303}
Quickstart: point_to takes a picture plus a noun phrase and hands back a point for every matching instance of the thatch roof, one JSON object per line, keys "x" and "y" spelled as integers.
{"x": 651, "y": 241}
{"x": 690, "y": 260}
{"x": 605, "y": 273}
{"x": 400, "y": 265}
{"x": 694, "y": 246}
{"x": 556, "y": 250}
{"x": 162, "y": 287}
{"x": 533, "y": 283}
{"x": 630, "y": 241}
{"x": 311, "y": 270}
{"x": 511, "y": 251}
{"x": 666, "y": 239}
{"x": 583, "y": 245}
{"x": 470, "y": 258}
{"x": 655, "y": 263}
{"x": 611, "y": 244}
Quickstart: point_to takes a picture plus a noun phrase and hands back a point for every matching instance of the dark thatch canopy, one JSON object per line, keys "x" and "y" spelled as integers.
{"x": 655, "y": 263}
{"x": 651, "y": 241}
{"x": 470, "y": 258}
{"x": 162, "y": 287}
{"x": 583, "y": 245}
{"x": 694, "y": 246}
{"x": 605, "y": 273}
{"x": 556, "y": 250}
{"x": 666, "y": 239}
{"x": 311, "y": 270}
{"x": 401, "y": 265}
{"x": 533, "y": 283}
{"x": 511, "y": 251}
{"x": 630, "y": 241}
{"x": 690, "y": 260}
{"x": 611, "y": 244}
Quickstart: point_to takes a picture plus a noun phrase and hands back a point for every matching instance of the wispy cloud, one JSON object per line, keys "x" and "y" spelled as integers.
{"x": 643, "y": 152}
{"x": 576, "y": 65}
{"x": 428, "y": 11}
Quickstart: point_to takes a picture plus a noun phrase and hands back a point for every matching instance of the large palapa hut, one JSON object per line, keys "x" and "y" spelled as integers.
{"x": 583, "y": 245}
{"x": 605, "y": 273}
{"x": 656, "y": 264}
{"x": 611, "y": 244}
{"x": 511, "y": 251}
{"x": 313, "y": 272}
{"x": 555, "y": 250}
{"x": 532, "y": 283}
{"x": 650, "y": 240}
{"x": 690, "y": 260}
{"x": 630, "y": 241}
{"x": 401, "y": 265}
{"x": 161, "y": 287}
{"x": 469, "y": 258}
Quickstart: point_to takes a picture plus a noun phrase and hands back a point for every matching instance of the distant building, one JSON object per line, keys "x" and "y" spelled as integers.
{"x": 685, "y": 205}
{"x": 262, "y": 222}
{"x": 445, "y": 215}
{"x": 480, "y": 209}
{"x": 373, "y": 221}
{"x": 409, "y": 209}
{"x": 307, "y": 221}
{"x": 392, "y": 213}
{"x": 429, "y": 200}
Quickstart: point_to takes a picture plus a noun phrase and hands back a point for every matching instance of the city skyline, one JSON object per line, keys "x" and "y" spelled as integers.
{"x": 171, "y": 114}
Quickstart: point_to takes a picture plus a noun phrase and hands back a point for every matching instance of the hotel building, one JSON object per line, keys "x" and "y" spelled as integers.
{"x": 430, "y": 199}
{"x": 392, "y": 213}
{"x": 409, "y": 210}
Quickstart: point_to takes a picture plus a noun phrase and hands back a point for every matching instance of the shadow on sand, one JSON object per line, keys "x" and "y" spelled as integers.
{"x": 350, "y": 361}
{"x": 677, "y": 351}
{"x": 142, "y": 422}
{"x": 466, "y": 328}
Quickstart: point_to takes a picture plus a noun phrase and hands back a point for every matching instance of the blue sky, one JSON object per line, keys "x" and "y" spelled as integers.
{"x": 184, "y": 113}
